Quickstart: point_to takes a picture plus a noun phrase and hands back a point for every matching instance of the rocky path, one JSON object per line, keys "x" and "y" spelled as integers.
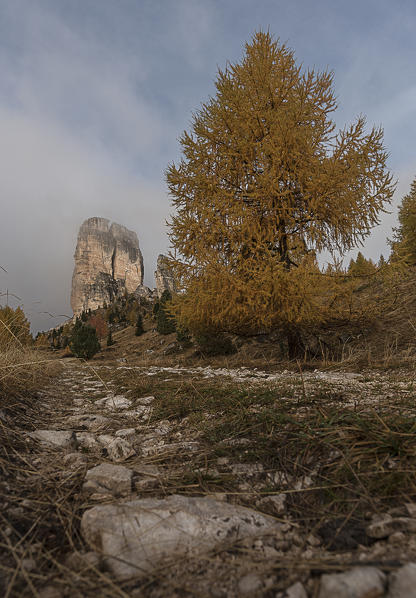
{"x": 140, "y": 535}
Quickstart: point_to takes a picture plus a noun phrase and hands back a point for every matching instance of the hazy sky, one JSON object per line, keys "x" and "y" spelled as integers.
{"x": 95, "y": 93}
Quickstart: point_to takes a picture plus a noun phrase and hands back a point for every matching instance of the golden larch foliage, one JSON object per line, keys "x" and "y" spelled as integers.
{"x": 264, "y": 183}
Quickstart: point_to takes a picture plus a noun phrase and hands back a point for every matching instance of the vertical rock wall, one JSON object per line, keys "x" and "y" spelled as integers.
{"x": 108, "y": 262}
{"x": 164, "y": 277}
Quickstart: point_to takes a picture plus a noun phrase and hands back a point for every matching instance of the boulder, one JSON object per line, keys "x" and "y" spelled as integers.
{"x": 136, "y": 536}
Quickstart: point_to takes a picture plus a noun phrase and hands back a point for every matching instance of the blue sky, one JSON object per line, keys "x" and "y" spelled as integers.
{"x": 95, "y": 93}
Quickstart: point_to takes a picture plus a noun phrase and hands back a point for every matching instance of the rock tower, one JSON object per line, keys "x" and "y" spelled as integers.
{"x": 164, "y": 277}
{"x": 108, "y": 262}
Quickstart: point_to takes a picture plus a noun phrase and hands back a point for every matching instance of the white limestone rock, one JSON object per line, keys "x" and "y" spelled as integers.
{"x": 86, "y": 440}
{"x": 118, "y": 449}
{"x": 55, "y": 438}
{"x": 93, "y": 422}
{"x": 276, "y": 503}
{"x": 145, "y": 400}
{"x": 402, "y": 583}
{"x": 359, "y": 582}
{"x": 296, "y": 590}
{"x": 249, "y": 584}
{"x": 125, "y": 433}
{"x": 114, "y": 403}
{"x": 389, "y": 525}
{"x": 107, "y": 477}
{"x": 136, "y": 536}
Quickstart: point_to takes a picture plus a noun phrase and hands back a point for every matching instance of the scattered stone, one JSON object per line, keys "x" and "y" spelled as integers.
{"x": 152, "y": 448}
{"x": 107, "y": 477}
{"x": 142, "y": 411}
{"x": 118, "y": 449}
{"x": 149, "y": 477}
{"x": 411, "y": 509}
{"x": 92, "y": 422}
{"x": 275, "y": 503}
{"x": 74, "y": 460}
{"x": 387, "y": 526}
{"x": 313, "y": 540}
{"x": 237, "y": 442}
{"x": 297, "y": 590}
{"x": 249, "y": 584}
{"x": 145, "y": 400}
{"x": 247, "y": 469}
{"x": 359, "y": 582}
{"x": 55, "y": 438}
{"x": 117, "y": 402}
{"x": 402, "y": 583}
{"x": 397, "y": 538}
{"x": 86, "y": 439}
{"x": 136, "y": 536}
{"x": 126, "y": 433}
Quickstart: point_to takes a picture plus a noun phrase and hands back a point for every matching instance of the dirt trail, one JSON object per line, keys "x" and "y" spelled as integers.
{"x": 96, "y": 448}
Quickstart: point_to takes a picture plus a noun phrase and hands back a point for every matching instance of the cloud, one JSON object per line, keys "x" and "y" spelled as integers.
{"x": 94, "y": 94}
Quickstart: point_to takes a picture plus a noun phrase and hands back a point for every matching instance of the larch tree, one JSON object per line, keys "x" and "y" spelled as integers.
{"x": 404, "y": 241}
{"x": 362, "y": 266}
{"x": 265, "y": 183}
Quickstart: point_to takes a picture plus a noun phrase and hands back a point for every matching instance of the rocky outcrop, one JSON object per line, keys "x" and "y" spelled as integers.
{"x": 164, "y": 276}
{"x": 108, "y": 262}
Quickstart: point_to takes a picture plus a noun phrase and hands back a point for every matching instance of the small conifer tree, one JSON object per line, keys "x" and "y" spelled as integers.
{"x": 361, "y": 266}
{"x": 110, "y": 341}
{"x": 165, "y": 322}
{"x": 84, "y": 342}
{"x": 139, "y": 325}
{"x": 404, "y": 241}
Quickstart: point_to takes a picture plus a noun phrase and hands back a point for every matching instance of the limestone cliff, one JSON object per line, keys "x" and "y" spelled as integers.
{"x": 108, "y": 262}
{"x": 164, "y": 276}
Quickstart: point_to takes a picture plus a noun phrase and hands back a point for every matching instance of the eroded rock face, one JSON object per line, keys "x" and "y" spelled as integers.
{"x": 108, "y": 262}
{"x": 164, "y": 277}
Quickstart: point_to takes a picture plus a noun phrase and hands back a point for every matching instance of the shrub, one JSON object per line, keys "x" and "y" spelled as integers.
{"x": 183, "y": 336}
{"x": 84, "y": 341}
{"x": 214, "y": 343}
